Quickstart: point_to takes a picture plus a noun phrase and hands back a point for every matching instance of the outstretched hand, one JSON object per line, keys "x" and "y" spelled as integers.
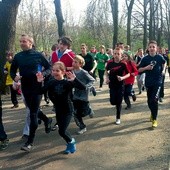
{"x": 70, "y": 76}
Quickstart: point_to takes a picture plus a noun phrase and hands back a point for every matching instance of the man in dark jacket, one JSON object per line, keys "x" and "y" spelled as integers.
{"x": 29, "y": 62}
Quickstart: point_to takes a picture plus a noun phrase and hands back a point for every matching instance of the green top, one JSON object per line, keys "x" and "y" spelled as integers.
{"x": 101, "y": 60}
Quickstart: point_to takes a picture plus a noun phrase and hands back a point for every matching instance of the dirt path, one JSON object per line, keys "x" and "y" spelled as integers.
{"x": 106, "y": 146}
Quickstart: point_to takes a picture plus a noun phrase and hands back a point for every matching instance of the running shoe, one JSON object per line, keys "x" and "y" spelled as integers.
{"x": 27, "y": 147}
{"x": 4, "y": 144}
{"x": 117, "y": 122}
{"x": 81, "y": 131}
{"x": 71, "y": 147}
{"x": 154, "y": 123}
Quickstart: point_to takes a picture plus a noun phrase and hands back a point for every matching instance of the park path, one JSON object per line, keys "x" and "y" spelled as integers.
{"x": 133, "y": 145}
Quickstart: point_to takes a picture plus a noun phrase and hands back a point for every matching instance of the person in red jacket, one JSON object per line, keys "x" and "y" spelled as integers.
{"x": 63, "y": 53}
{"x": 128, "y": 83}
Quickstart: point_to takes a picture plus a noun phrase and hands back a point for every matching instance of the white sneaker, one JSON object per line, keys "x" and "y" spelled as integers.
{"x": 81, "y": 131}
{"x": 117, "y": 122}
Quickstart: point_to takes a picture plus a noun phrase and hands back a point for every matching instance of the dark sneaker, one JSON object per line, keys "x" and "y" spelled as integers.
{"x": 24, "y": 137}
{"x": 27, "y": 147}
{"x": 143, "y": 88}
{"x": 4, "y": 144}
{"x": 91, "y": 115}
{"x": 48, "y": 125}
{"x": 127, "y": 107}
{"x": 39, "y": 121}
{"x": 71, "y": 147}
{"x": 160, "y": 99}
{"x": 134, "y": 97}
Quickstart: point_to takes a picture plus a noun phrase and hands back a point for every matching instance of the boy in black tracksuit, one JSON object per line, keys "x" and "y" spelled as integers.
{"x": 153, "y": 66}
{"x": 116, "y": 72}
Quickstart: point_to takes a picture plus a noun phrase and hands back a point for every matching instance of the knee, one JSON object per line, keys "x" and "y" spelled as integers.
{"x": 61, "y": 132}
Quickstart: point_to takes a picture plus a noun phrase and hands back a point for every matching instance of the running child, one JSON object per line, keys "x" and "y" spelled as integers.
{"x": 153, "y": 66}
{"x": 116, "y": 72}
{"x": 81, "y": 97}
{"x": 128, "y": 83}
{"x": 60, "y": 90}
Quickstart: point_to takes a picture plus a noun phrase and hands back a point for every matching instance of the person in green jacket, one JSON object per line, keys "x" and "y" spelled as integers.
{"x": 101, "y": 58}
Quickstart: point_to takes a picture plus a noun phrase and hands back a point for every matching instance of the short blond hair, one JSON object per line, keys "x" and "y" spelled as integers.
{"x": 102, "y": 46}
{"x": 80, "y": 59}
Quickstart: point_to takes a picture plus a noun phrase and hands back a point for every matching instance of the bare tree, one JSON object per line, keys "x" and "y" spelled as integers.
{"x": 167, "y": 20}
{"x": 145, "y": 24}
{"x": 114, "y": 7}
{"x": 39, "y": 22}
{"x": 129, "y": 5}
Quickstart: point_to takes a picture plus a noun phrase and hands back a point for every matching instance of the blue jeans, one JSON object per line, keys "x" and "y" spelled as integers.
{"x": 3, "y": 135}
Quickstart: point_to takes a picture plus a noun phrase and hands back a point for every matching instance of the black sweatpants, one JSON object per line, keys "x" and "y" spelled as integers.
{"x": 116, "y": 97}
{"x": 63, "y": 121}
{"x": 101, "y": 77}
{"x": 13, "y": 95}
{"x": 153, "y": 95}
{"x": 82, "y": 109}
{"x": 33, "y": 102}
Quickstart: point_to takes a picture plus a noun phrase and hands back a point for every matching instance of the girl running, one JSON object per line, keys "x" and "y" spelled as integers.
{"x": 60, "y": 90}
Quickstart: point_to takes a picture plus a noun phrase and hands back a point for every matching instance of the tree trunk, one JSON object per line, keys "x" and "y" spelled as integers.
{"x": 114, "y": 7}
{"x": 145, "y": 26}
{"x": 129, "y": 21}
{"x": 160, "y": 30}
{"x": 59, "y": 15}
{"x": 151, "y": 21}
{"x": 8, "y": 14}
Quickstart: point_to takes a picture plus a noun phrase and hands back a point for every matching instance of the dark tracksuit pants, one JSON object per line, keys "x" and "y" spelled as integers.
{"x": 116, "y": 97}
{"x": 162, "y": 87}
{"x": 3, "y": 135}
{"x": 63, "y": 121}
{"x": 101, "y": 77}
{"x": 13, "y": 95}
{"x": 153, "y": 95}
{"x": 82, "y": 109}
{"x": 33, "y": 102}
{"x": 128, "y": 92}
